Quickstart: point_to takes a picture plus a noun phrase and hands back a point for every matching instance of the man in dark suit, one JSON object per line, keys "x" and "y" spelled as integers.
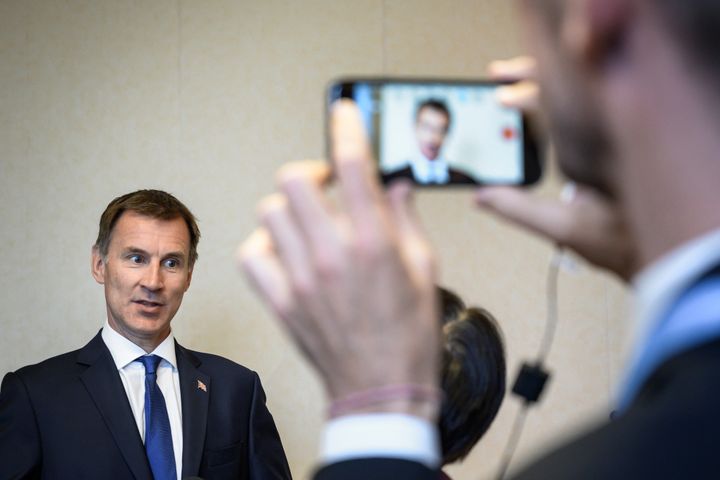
{"x": 631, "y": 89}
{"x": 132, "y": 403}
{"x": 432, "y": 122}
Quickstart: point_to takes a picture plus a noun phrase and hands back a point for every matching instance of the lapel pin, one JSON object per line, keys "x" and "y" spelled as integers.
{"x": 202, "y": 386}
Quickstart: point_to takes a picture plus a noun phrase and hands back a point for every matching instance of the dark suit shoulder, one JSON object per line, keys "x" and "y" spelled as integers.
{"x": 58, "y": 369}
{"x": 404, "y": 172}
{"x": 217, "y": 360}
{"x": 670, "y": 431}
{"x": 377, "y": 469}
{"x": 49, "y": 369}
{"x": 460, "y": 176}
{"x": 239, "y": 424}
{"x": 215, "y": 365}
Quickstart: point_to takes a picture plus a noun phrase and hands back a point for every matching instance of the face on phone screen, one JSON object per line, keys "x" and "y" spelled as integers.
{"x": 440, "y": 133}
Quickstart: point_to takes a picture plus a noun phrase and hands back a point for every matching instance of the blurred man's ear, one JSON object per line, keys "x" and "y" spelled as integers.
{"x": 593, "y": 30}
{"x": 97, "y": 267}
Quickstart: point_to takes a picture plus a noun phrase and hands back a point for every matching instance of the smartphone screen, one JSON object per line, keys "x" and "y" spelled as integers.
{"x": 443, "y": 132}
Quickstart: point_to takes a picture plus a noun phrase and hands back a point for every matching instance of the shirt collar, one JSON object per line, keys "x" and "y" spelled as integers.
{"x": 125, "y": 352}
{"x": 658, "y": 286}
{"x": 429, "y": 171}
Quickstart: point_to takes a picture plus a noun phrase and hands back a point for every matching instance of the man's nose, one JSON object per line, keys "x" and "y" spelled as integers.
{"x": 153, "y": 279}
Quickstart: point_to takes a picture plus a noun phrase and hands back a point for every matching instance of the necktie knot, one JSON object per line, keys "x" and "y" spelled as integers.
{"x": 150, "y": 362}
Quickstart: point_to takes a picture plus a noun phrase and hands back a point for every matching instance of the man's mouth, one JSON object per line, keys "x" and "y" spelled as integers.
{"x": 431, "y": 152}
{"x": 148, "y": 303}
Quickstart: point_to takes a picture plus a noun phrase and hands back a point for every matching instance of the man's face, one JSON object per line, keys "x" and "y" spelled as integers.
{"x": 576, "y": 126}
{"x": 430, "y": 129}
{"x": 145, "y": 275}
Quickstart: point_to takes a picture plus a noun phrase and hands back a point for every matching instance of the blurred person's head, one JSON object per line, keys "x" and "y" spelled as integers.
{"x": 473, "y": 375}
{"x": 432, "y": 122}
{"x": 631, "y": 91}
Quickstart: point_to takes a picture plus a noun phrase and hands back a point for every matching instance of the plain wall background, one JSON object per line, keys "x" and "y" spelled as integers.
{"x": 206, "y": 99}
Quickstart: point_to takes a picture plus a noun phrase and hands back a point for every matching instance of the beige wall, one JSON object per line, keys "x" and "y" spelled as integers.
{"x": 206, "y": 99}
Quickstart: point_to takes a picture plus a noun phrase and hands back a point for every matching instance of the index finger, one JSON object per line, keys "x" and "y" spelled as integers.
{"x": 354, "y": 166}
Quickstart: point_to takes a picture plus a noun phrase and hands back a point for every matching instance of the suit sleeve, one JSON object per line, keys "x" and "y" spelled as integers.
{"x": 377, "y": 469}
{"x": 266, "y": 455}
{"x": 19, "y": 435}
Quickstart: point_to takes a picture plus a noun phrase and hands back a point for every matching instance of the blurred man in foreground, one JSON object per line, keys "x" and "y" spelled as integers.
{"x": 631, "y": 94}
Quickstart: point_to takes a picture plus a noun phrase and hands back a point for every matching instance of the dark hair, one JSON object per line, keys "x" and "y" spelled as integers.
{"x": 473, "y": 375}
{"x": 150, "y": 203}
{"x": 433, "y": 104}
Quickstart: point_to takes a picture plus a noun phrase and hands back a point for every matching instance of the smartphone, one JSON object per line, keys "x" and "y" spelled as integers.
{"x": 443, "y": 132}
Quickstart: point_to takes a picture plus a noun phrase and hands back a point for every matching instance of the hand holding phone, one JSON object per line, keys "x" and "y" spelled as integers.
{"x": 443, "y": 132}
{"x": 588, "y": 222}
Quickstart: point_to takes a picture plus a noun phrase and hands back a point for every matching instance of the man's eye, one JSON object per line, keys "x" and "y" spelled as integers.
{"x": 135, "y": 258}
{"x": 171, "y": 263}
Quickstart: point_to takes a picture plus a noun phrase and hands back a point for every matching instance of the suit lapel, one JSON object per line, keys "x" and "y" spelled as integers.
{"x": 102, "y": 381}
{"x": 195, "y": 392}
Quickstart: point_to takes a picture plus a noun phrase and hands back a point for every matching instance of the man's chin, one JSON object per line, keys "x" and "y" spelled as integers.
{"x": 146, "y": 327}
{"x": 430, "y": 154}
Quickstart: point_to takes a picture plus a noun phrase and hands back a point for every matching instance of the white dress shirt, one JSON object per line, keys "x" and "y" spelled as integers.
{"x": 658, "y": 286}
{"x": 430, "y": 171}
{"x": 132, "y": 374}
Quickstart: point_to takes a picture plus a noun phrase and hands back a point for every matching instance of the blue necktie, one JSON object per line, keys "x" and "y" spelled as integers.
{"x": 158, "y": 439}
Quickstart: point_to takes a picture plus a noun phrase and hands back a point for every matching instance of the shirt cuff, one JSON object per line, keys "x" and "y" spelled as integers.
{"x": 385, "y": 435}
